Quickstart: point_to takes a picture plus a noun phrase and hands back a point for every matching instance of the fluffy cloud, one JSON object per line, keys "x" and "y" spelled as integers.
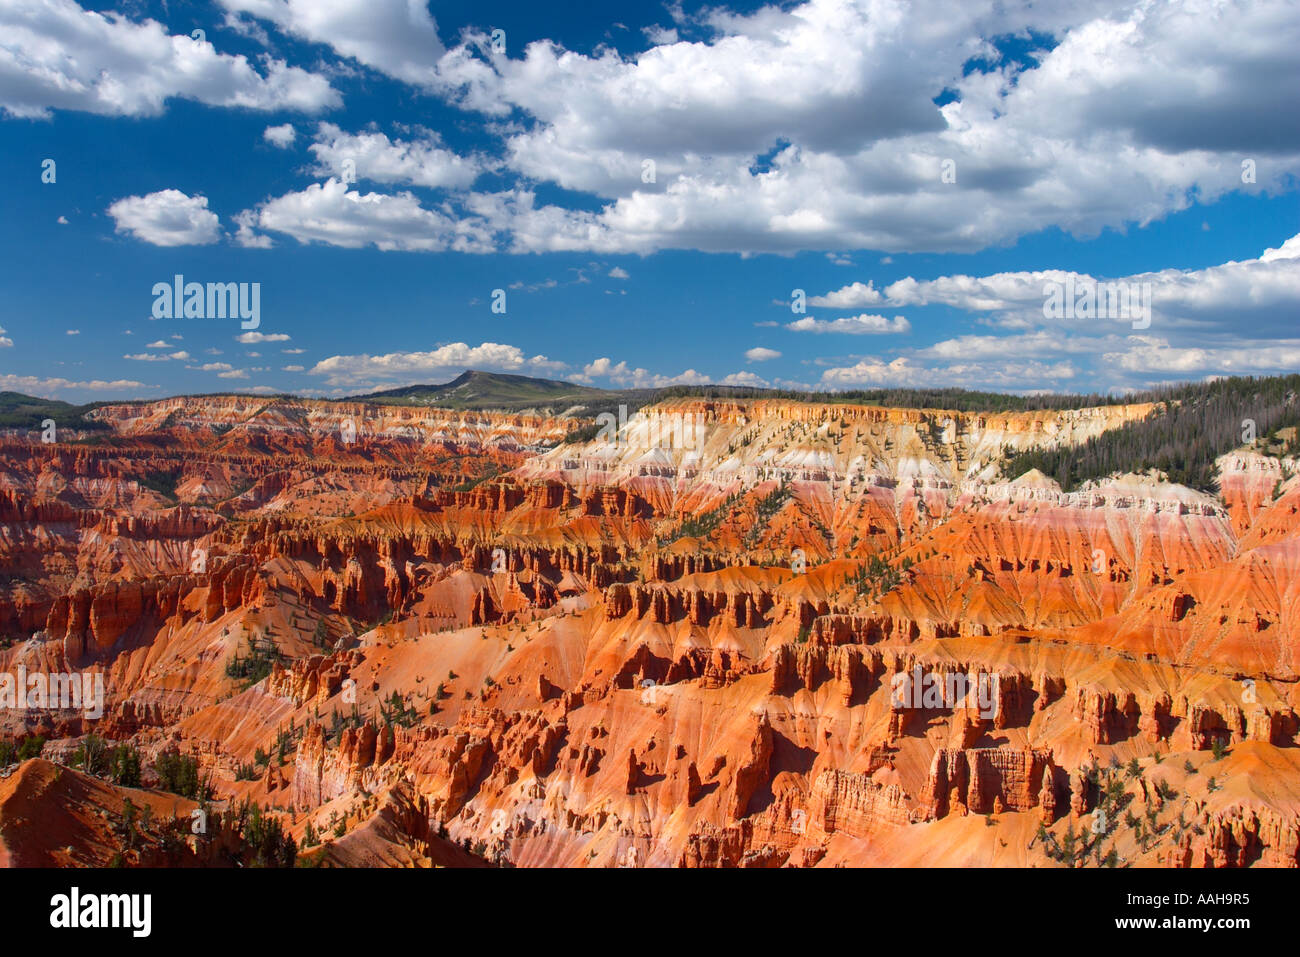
{"x": 1234, "y": 318}
{"x": 812, "y": 126}
{"x": 167, "y": 218}
{"x": 624, "y": 376}
{"x": 247, "y": 235}
{"x": 253, "y": 338}
{"x": 901, "y": 372}
{"x": 863, "y": 325}
{"x": 259, "y": 390}
{"x": 761, "y": 354}
{"x": 157, "y": 356}
{"x": 56, "y": 55}
{"x": 853, "y": 296}
{"x": 803, "y": 74}
{"x": 398, "y": 38}
{"x": 281, "y": 136}
{"x": 745, "y": 379}
{"x": 331, "y": 213}
{"x": 1041, "y": 342}
{"x": 1150, "y": 354}
{"x": 1268, "y": 285}
{"x": 373, "y": 156}
{"x": 762, "y": 139}
{"x": 55, "y": 387}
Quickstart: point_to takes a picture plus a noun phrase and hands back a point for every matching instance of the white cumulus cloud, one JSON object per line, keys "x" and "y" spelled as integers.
{"x": 281, "y": 136}
{"x": 167, "y": 218}
{"x": 373, "y": 156}
{"x": 863, "y": 325}
{"x": 56, "y": 55}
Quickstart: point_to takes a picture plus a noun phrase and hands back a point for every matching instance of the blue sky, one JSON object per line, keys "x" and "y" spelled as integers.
{"x": 795, "y": 147}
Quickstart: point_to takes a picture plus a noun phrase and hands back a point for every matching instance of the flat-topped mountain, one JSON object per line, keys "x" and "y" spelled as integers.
{"x": 491, "y": 390}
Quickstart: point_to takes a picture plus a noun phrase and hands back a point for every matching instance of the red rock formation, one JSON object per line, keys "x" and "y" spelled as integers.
{"x": 577, "y": 682}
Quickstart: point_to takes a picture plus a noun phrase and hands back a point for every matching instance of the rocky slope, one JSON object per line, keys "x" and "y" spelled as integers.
{"x": 722, "y": 633}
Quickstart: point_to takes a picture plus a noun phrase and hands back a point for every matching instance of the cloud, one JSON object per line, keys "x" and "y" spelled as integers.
{"x": 853, "y": 296}
{"x": 761, "y": 354}
{"x": 875, "y": 372}
{"x": 901, "y": 372}
{"x": 802, "y": 74}
{"x": 811, "y": 126}
{"x": 1155, "y": 355}
{"x": 618, "y": 272}
{"x": 622, "y": 375}
{"x": 413, "y": 367}
{"x": 330, "y": 213}
{"x": 534, "y": 287}
{"x": 397, "y": 38}
{"x": 56, "y": 55}
{"x": 745, "y": 379}
{"x": 1233, "y": 318}
{"x": 863, "y": 325}
{"x": 281, "y": 136}
{"x": 658, "y": 35}
{"x": 253, "y": 338}
{"x": 167, "y": 218}
{"x": 1041, "y": 342}
{"x": 373, "y": 156}
{"x": 54, "y": 387}
{"x": 158, "y": 357}
{"x": 233, "y": 374}
{"x": 74, "y": 332}
{"x": 246, "y": 235}
{"x": 762, "y": 141}
{"x": 259, "y": 390}
{"x": 1268, "y": 285}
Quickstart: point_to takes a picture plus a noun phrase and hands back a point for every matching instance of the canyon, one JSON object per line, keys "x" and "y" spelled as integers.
{"x": 422, "y": 636}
